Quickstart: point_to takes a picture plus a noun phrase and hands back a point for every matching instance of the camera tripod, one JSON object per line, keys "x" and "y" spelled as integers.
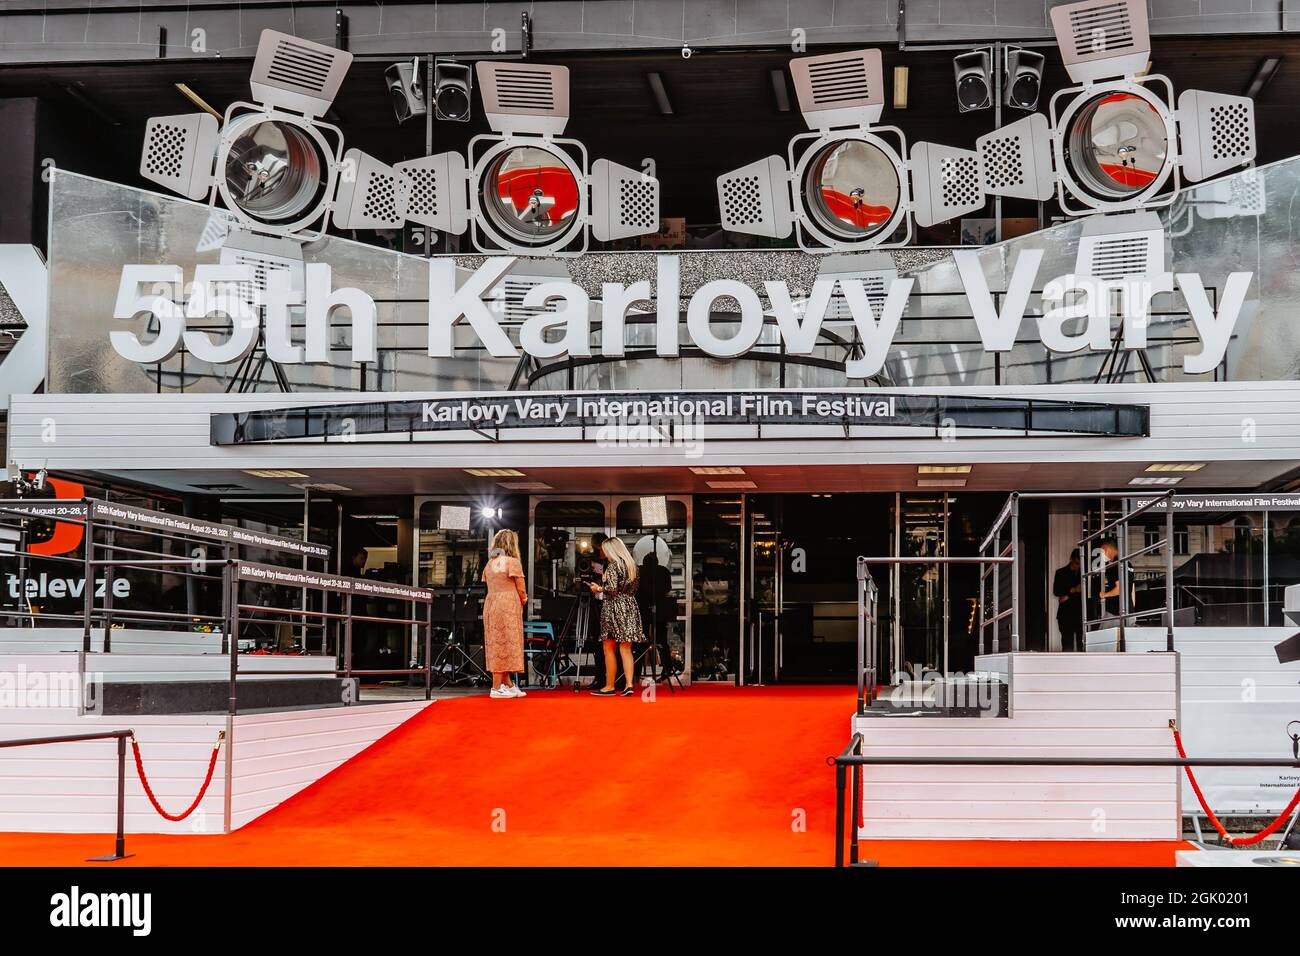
{"x": 464, "y": 669}
{"x": 577, "y": 624}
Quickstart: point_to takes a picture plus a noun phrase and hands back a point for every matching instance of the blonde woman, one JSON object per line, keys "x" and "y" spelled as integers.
{"x": 503, "y": 614}
{"x": 620, "y": 621}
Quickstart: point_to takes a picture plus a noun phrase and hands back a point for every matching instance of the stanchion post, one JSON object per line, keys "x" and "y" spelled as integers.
{"x": 839, "y": 813}
{"x": 119, "y": 846}
{"x": 853, "y": 817}
{"x": 119, "y": 842}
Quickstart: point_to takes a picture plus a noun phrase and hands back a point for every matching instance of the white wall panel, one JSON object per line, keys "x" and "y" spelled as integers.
{"x": 1063, "y": 705}
{"x": 276, "y": 755}
{"x": 72, "y": 787}
{"x": 1203, "y": 421}
{"x": 1237, "y": 701}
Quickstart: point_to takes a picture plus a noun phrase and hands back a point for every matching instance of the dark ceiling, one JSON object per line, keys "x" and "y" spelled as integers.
{"x": 724, "y": 109}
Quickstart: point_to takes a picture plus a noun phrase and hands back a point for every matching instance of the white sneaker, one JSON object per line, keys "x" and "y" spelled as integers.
{"x": 502, "y": 691}
{"x": 516, "y": 691}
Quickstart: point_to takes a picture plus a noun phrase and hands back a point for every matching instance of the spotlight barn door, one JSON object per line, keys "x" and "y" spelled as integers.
{"x": 296, "y": 74}
{"x": 435, "y": 191}
{"x": 1016, "y": 159}
{"x": 755, "y": 199}
{"x": 179, "y": 151}
{"x": 946, "y": 183}
{"x": 371, "y": 195}
{"x": 1216, "y": 132}
{"x": 624, "y": 202}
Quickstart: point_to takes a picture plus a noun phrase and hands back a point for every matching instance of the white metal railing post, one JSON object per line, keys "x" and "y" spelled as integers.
{"x": 862, "y": 634}
{"x": 1169, "y": 574}
{"x": 1015, "y": 573}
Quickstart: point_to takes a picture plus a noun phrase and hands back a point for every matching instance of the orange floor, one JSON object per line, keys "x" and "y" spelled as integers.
{"x": 712, "y": 776}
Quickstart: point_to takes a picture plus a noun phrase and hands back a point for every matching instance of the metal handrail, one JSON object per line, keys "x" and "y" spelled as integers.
{"x": 868, "y": 594}
{"x": 852, "y": 756}
{"x": 1123, "y": 581}
{"x": 326, "y": 584}
{"x": 119, "y": 844}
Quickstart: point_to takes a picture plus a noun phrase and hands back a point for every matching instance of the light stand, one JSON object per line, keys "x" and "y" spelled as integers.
{"x": 454, "y": 519}
{"x": 654, "y": 515}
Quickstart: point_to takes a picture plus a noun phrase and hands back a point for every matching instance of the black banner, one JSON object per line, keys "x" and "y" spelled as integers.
{"x": 494, "y": 414}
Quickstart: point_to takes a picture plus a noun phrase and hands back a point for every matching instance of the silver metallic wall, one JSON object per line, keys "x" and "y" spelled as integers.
{"x": 1247, "y": 222}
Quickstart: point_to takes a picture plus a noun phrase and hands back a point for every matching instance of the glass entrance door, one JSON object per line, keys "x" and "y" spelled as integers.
{"x": 662, "y": 552}
{"x": 760, "y": 663}
{"x": 564, "y": 554}
{"x": 922, "y": 605}
{"x": 719, "y": 583}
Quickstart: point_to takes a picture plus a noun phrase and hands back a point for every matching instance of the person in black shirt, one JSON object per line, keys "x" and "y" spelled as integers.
{"x": 1110, "y": 585}
{"x": 1065, "y": 588}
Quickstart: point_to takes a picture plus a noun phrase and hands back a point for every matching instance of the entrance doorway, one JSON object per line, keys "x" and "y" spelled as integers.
{"x": 802, "y": 624}
{"x": 566, "y": 535}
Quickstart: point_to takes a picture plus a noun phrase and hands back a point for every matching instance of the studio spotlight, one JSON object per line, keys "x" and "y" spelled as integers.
{"x": 973, "y": 73}
{"x": 274, "y": 164}
{"x": 452, "y": 83}
{"x": 523, "y": 188}
{"x": 1119, "y": 141}
{"x": 849, "y": 183}
{"x": 406, "y": 90}
{"x": 1023, "y": 80}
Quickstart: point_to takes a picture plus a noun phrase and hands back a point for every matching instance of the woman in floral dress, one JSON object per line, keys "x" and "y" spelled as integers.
{"x": 620, "y": 621}
{"x": 503, "y": 614}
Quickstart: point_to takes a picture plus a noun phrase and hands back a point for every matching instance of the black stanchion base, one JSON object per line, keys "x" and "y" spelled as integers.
{"x": 111, "y": 857}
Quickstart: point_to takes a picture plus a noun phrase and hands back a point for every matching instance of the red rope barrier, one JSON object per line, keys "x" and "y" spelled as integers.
{"x": 144, "y": 781}
{"x": 1232, "y": 841}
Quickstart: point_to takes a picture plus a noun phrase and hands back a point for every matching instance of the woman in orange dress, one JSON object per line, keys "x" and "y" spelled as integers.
{"x": 503, "y": 614}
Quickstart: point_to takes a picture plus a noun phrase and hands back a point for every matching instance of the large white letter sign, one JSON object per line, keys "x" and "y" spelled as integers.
{"x": 668, "y": 305}
{"x": 699, "y": 314}
{"x": 321, "y": 301}
{"x": 615, "y": 300}
{"x": 877, "y": 336}
{"x": 278, "y": 298}
{"x": 800, "y": 337}
{"x": 132, "y": 306}
{"x": 1088, "y": 299}
{"x": 448, "y": 305}
{"x": 574, "y": 315}
{"x": 998, "y": 330}
{"x": 1215, "y": 331}
{"x": 216, "y": 291}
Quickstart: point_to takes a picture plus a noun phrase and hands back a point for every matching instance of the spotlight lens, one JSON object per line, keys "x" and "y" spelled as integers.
{"x": 851, "y": 188}
{"x": 1117, "y": 145}
{"x": 531, "y": 195}
{"x": 273, "y": 171}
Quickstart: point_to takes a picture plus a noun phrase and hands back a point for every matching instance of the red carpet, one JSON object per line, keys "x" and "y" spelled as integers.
{"x": 712, "y": 776}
